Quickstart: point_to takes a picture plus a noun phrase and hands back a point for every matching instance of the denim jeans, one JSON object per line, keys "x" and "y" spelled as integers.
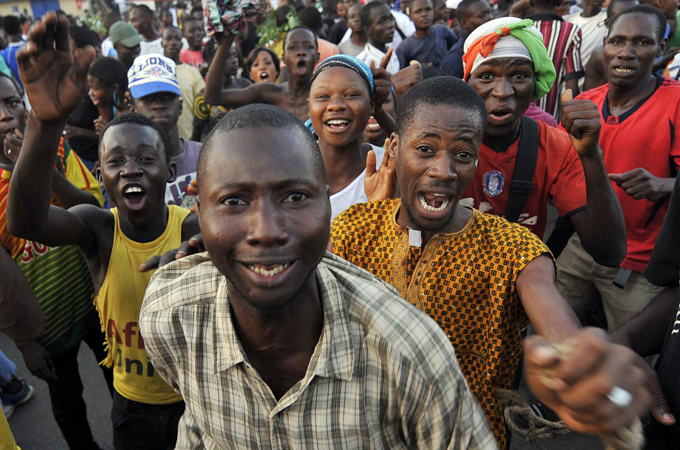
{"x": 7, "y": 369}
{"x": 141, "y": 426}
{"x": 66, "y": 393}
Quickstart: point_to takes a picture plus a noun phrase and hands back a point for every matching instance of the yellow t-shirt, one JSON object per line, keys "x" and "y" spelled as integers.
{"x": 119, "y": 301}
{"x": 191, "y": 84}
{"x": 6, "y": 438}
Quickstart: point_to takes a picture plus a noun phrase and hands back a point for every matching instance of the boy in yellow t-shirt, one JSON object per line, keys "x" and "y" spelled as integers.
{"x": 134, "y": 169}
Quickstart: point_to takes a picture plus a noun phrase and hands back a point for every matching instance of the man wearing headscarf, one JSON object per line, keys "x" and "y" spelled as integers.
{"x": 507, "y": 64}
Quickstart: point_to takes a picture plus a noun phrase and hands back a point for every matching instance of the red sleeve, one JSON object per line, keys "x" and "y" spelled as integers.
{"x": 568, "y": 190}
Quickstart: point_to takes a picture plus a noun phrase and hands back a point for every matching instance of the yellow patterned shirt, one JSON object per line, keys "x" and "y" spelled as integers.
{"x": 465, "y": 281}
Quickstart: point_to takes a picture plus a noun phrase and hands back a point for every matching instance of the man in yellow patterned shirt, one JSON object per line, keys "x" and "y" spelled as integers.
{"x": 482, "y": 278}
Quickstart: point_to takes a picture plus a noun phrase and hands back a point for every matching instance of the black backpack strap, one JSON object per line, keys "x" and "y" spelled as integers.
{"x": 525, "y": 166}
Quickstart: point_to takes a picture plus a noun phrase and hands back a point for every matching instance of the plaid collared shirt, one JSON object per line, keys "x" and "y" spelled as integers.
{"x": 383, "y": 374}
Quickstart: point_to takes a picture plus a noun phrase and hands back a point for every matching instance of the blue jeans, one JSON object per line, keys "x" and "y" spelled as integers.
{"x": 7, "y": 369}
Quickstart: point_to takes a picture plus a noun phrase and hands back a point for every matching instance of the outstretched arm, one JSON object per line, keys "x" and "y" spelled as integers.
{"x": 233, "y": 98}
{"x": 601, "y": 226}
{"x": 55, "y": 85}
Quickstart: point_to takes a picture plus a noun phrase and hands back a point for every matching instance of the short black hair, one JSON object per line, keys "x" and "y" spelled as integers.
{"x": 94, "y": 38}
{"x": 613, "y": 3}
{"x": 19, "y": 89}
{"x": 80, "y": 35}
{"x": 11, "y": 25}
{"x": 281, "y": 15}
{"x": 138, "y": 119}
{"x": 300, "y": 27}
{"x": 310, "y": 17}
{"x": 253, "y": 56}
{"x": 660, "y": 19}
{"x": 188, "y": 19}
{"x": 446, "y": 90}
{"x": 547, "y": 3}
{"x": 464, "y": 7}
{"x": 367, "y": 12}
{"x": 260, "y": 115}
{"x": 411, "y": 2}
{"x": 145, "y": 10}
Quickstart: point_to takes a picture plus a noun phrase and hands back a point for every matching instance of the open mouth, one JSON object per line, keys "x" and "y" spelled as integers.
{"x": 337, "y": 125}
{"x": 268, "y": 274}
{"x": 500, "y": 115}
{"x": 372, "y": 125}
{"x": 134, "y": 197}
{"x": 268, "y": 271}
{"x": 264, "y": 76}
{"x": 434, "y": 202}
{"x": 623, "y": 70}
{"x": 301, "y": 67}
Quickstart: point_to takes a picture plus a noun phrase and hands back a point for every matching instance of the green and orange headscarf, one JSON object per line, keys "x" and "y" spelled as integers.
{"x": 508, "y": 37}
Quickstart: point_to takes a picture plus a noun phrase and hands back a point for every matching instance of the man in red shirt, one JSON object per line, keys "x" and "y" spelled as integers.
{"x": 517, "y": 72}
{"x": 639, "y": 114}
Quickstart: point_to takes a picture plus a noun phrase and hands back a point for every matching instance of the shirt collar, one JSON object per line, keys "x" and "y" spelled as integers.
{"x": 334, "y": 353}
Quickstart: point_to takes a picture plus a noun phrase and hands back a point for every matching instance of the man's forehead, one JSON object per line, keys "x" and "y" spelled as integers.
{"x": 634, "y": 24}
{"x": 507, "y": 62}
{"x": 445, "y": 118}
{"x": 130, "y": 135}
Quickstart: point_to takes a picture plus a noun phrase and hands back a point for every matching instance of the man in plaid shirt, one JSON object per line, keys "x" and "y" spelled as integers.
{"x": 274, "y": 343}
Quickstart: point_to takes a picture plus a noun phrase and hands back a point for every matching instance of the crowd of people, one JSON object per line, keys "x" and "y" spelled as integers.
{"x": 341, "y": 236}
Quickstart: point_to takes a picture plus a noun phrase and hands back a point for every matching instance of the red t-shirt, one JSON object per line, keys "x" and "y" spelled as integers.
{"x": 193, "y": 58}
{"x": 559, "y": 174}
{"x": 645, "y": 136}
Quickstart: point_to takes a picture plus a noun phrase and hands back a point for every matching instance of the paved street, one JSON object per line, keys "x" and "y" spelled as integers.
{"x": 34, "y": 427}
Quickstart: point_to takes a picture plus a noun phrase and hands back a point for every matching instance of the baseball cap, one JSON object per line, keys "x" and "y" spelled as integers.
{"x": 453, "y": 4}
{"x": 124, "y": 33}
{"x": 152, "y": 73}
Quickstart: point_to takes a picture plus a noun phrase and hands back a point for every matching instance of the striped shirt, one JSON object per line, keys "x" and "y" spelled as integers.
{"x": 59, "y": 276}
{"x": 383, "y": 375}
{"x": 563, "y": 41}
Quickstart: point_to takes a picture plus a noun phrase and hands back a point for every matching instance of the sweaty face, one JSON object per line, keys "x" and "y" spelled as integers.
{"x": 172, "y": 43}
{"x": 100, "y": 93}
{"x": 263, "y": 69}
{"x": 422, "y": 14}
{"x": 164, "y": 108}
{"x": 630, "y": 49}
{"x": 193, "y": 31}
{"x": 478, "y": 14}
{"x": 300, "y": 53}
{"x": 339, "y": 106}
{"x": 265, "y": 220}
{"x": 507, "y": 87}
{"x": 435, "y": 161}
{"x": 133, "y": 170}
{"x": 381, "y": 29}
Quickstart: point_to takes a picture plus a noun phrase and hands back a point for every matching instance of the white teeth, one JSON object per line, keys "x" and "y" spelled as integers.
{"x": 268, "y": 273}
{"x": 622, "y": 70}
{"x": 133, "y": 189}
{"x": 337, "y": 122}
{"x": 427, "y": 207}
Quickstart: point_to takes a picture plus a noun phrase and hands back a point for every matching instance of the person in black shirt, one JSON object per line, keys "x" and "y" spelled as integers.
{"x": 79, "y": 130}
{"x": 657, "y": 330}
